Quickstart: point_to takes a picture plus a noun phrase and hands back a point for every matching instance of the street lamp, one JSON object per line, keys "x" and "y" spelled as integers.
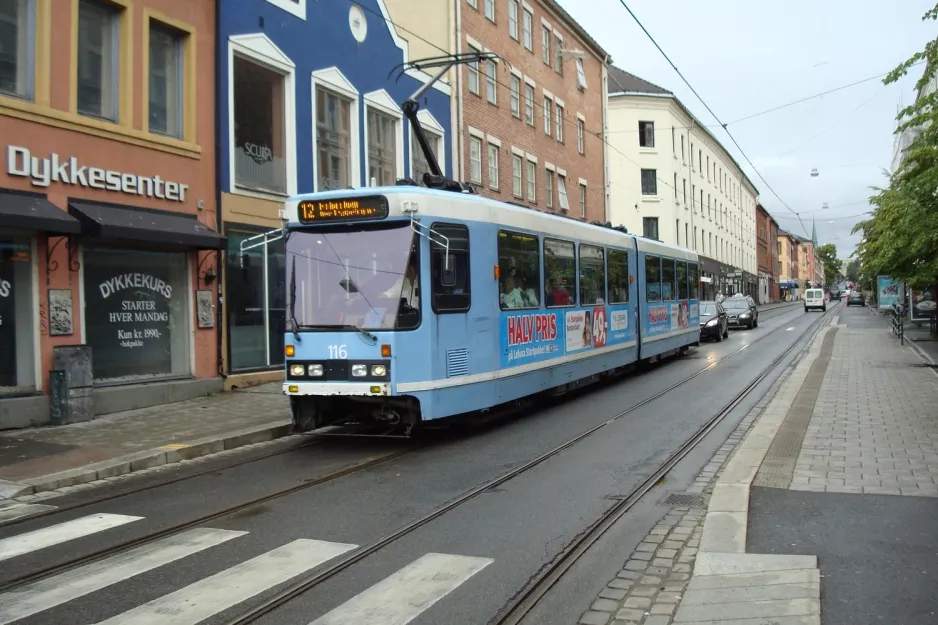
{"x": 814, "y": 172}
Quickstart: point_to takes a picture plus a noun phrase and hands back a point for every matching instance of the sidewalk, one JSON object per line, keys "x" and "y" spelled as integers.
{"x": 38, "y": 460}
{"x": 830, "y": 482}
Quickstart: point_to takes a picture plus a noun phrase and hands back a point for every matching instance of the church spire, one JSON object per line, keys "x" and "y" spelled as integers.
{"x": 814, "y": 233}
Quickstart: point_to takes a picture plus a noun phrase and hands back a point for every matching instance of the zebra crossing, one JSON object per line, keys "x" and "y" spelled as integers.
{"x": 396, "y": 600}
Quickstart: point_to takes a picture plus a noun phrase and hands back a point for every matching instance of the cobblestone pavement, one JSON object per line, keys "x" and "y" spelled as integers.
{"x": 874, "y": 428}
{"x": 651, "y": 584}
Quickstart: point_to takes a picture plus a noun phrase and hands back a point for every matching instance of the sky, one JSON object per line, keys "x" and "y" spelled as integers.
{"x": 744, "y": 57}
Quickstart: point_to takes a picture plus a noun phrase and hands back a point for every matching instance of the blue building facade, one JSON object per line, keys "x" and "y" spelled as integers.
{"x": 305, "y": 104}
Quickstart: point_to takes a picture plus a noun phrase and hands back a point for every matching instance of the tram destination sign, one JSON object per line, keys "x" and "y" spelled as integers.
{"x": 349, "y": 209}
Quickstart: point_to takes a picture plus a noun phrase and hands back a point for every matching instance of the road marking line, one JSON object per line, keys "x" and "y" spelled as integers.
{"x": 53, "y": 591}
{"x": 9, "y": 513}
{"x": 63, "y": 532}
{"x": 205, "y": 598}
{"x": 789, "y": 329}
{"x": 403, "y": 596}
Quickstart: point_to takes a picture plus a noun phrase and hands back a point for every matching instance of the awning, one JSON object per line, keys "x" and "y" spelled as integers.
{"x": 108, "y": 221}
{"x": 34, "y": 212}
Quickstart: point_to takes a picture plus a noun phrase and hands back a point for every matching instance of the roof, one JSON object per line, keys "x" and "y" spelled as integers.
{"x": 578, "y": 30}
{"x": 630, "y": 84}
{"x": 620, "y": 81}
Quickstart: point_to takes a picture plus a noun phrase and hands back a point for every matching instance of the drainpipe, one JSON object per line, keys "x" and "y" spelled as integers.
{"x": 218, "y": 217}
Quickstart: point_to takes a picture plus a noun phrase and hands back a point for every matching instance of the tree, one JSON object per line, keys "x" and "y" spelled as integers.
{"x": 901, "y": 237}
{"x": 853, "y": 271}
{"x": 828, "y": 255}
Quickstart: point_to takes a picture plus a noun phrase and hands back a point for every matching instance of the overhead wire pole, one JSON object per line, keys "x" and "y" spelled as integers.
{"x": 707, "y": 106}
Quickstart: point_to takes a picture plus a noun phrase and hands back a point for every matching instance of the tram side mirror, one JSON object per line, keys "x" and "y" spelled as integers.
{"x": 448, "y": 275}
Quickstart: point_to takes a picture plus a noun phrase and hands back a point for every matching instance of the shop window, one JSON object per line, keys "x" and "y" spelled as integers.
{"x": 166, "y": 81}
{"x": 592, "y": 275}
{"x": 559, "y": 273}
{"x": 333, "y": 140}
{"x": 17, "y": 32}
{"x": 17, "y": 354}
{"x": 98, "y": 59}
{"x": 420, "y": 165}
{"x": 618, "y": 277}
{"x": 137, "y": 313}
{"x": 382, "y": 148}
{"x": 519, "y": 270}
{"x": 682, "y": 280}
{"x": 259, "y": 133}
{"x": 256, "y": 303}
{"x": 667, "y": 279}
{"x": 451, "y": 292}
{"x": 652, "y": 279}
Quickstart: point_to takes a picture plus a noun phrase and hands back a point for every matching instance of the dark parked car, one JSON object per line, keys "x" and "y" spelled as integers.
{"x": 856, "y": 298}
{"x": 741, "y": 311}
{"x": 835, "y": 294}
{"x": 713, "y": 321}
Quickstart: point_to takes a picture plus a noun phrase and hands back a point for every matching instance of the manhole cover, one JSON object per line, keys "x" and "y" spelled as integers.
{"x": 691, "y": 500}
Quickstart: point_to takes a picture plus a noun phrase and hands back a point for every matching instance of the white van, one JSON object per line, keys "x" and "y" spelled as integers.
{"x": 814, "y": 298}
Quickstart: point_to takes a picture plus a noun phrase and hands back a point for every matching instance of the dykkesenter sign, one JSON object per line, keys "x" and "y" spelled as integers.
{"x": 44, "y": 170}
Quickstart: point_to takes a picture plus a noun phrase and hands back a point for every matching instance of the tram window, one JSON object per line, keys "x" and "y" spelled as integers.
{"x": 592, "y": 275}
{"x": 450, "y": 275}
{"x": 618, "y": 277}
{"x": 694, "y": 278}
{"x": 667, "y": 279}
{"x": 681, "y": 280}
{"x": 519, "y": 270}
{"x": 652, "y": 279}
{"x": 559, "y": 273}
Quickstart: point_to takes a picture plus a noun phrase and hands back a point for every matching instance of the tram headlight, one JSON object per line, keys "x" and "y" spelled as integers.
{"x": 359, "y": 371}
{"x": 379, "y": 371}
{"x": 315, "y": 371}
{"x": 297, "y": 369}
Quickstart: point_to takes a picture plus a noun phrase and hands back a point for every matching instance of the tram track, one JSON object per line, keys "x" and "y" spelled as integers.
{"x": 573, "y": 552}
{"x": 350, "y": 469}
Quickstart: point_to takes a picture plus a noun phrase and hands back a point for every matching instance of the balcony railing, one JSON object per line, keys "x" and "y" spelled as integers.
{"x": 267, "y": 174}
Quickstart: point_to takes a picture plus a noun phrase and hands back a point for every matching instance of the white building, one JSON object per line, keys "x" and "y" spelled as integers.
{"x": 670, "y": 179}
{"x": 904, "y": 139}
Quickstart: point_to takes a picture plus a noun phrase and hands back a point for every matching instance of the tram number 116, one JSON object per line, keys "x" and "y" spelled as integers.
{"x": 338, "y": 351}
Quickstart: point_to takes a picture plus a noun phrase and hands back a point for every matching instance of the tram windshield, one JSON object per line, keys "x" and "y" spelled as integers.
{"x": 347, "y": 279}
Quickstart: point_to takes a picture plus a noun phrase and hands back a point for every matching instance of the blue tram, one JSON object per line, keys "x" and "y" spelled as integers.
{"x": 408, "y": 305}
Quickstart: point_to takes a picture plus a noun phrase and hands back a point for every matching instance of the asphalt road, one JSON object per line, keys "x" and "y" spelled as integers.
{"x": 493, "y": 544}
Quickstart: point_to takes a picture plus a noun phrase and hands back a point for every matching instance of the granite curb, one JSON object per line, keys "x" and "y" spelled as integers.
{"x": 141, "y": 460}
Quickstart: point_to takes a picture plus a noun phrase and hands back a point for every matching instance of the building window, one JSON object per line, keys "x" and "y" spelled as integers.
{"x": 137, "y": 329}
{"x": 473, "y": 3}
{"x": 420, "y": 164}
{"x": 675, "y": 186}
{"x": 515, "y": 96}
{"x": 580, "y": 75}
{"x": 646, "y": 134}
{"x": 562, "y": 192}
{"x": 493, "y": 166}
{"x": 558, "y": 55}
{"x": 582, "y": 200}
{"x": 559, "y": 125}
{"x": 490, "y": 9}
{"x": 475, "y": 160}
{"x": 545, "y": 44}
{"x": 677, "y": 230}
{"x": 166, "y": 81}
{"x": 650, "y": 227}
{"x": 382, "y": 148}
{"x": 685, "y": 191}
{"x": 687, "y": 235}
{"x": 683, "y": 157}
{"x": 333, "y": 140}
{"x": 532, "y": 179}
{"x": 17, "y": 32}
{"x": 529, "y": 104}
{"x": 516, "y": 175}
{"x": 259, "y": 135}
{"x": 474, "y": 73}
{"x": 513, "y": 18}
{"x": 526, "y": 29}
{"x": 98, "y": 60}
{"x": 491, "y": 86}
{"x": 547, "y": 116}
{"x": 580, "y": 130}
{"x": 700, "y": 162}
{"x": 17, "y": 315}
{"x": 649, "y": 182}
{"x": 255, "y": 304}
{"x": 549, "y": 188}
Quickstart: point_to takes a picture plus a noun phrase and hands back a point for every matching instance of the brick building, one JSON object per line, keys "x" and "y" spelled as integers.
{"x": 775, "y": 293}
{"x": 530, "y": 123}
{"x": 764, "y": 247}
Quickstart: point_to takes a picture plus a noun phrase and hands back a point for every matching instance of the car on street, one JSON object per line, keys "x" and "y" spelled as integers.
{"x": 814, "y": 298}
{"x": 741, "y": 311}
{"x": 856, "y": 298}
{"x": 713, "y": 321}
{"x": 835, "y": 294}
